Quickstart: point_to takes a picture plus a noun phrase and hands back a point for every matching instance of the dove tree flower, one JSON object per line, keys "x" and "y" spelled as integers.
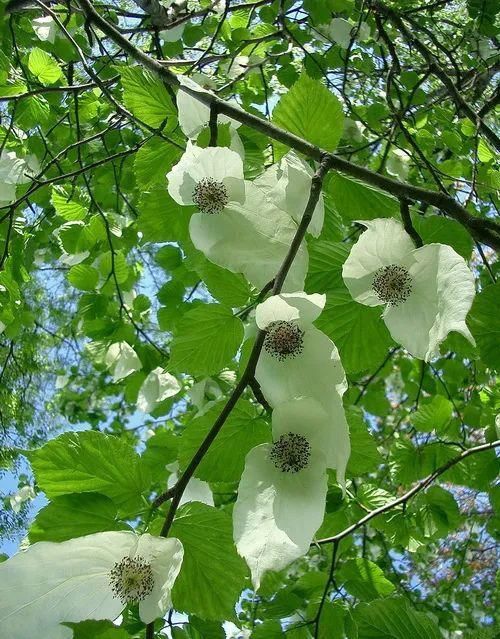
{"x": 122, "y": 360}
{"x": 12, "y": 172}
{"x": 236, "y": 228}
{"x": 91, "y": 577}
{"x": 298, "y": 360}
{"x": 158, "y": 386}
{"x": 287, "y": 185}
{"x": 427, "y": 292}
{"x": 282, "y": 492}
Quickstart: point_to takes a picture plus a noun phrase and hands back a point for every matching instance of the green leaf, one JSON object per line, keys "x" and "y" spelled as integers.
{"x": 146, "y": 97}
{"x": 91, "y": 462}
{"x": 225, "y": 459}
{"x": 485, "y": 324}
{"x": 325, "y": 266}
{"x": 393, "y": 619}
{"x": 358, "y": 331}
{"x": 438, "y": 512}
{"x": 434, "y": 228}
{"x": 161, "y": 449}
{"x": 153, "y": 161}
{"x": 331, "y": 624}
{"x": 206, "y": 340}
{"x": 97, "y": 630}
{"x": 434, "y": 414}
{"x": 312, "y": 112}
{"x": 365, "y": 457}
{"x": 212, "y": 574}
{"x": 357, "y": 201}
{"x": 69, "y": 203}
{"x": 83, "y": 277}
{"x": 364, "y": 579}
{"x": 43, "y": 66}
{"x": 74, "y": 515}
{"x": 160, "y": 218}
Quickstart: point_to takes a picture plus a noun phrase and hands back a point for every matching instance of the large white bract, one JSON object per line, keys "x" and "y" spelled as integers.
{"x": 158, "y": 386}
{"x": 12, "y": 172}
{"x": 427, "y": 291}
{"x": 122, "y": 360}
{"x": 299, "y": 360}
{"x": 282, "y": 492}
{"x": 91, "y": 577}
{"x": 287, "y": 185}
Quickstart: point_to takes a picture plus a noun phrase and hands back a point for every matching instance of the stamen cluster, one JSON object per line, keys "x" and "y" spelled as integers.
{"x": 210, "y": 196}
{"x": 283, "y": 340}
{"x": 393, "y": 284}
{"x": 131, "y": 579}
{"x": 291, "y": 453}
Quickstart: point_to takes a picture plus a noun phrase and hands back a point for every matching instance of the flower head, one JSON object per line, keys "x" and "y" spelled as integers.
{"x": 287, "y": 185}
{"x": 210, "y": 179}
{"x": 282, "y": 492}
{"x": 299, "y": 360}
{"x": 427, "y": 292}
{"x": 91, "y": 577}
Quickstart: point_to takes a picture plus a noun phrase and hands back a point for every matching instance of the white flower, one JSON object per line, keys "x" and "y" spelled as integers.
{"x": 299, "y": 360}
{"x": 91, "y": 577}
{"x": 193, "y": 114}
{"x": 282, "y": 492}
{"x": 287, "y": 185}
{"x": 196, "y": 489}
{"x": 12, "y": 173}
{"x": 158, "y": 386}
{"x": 342, "y": 31}
{"x": 204, "y": 394}
{"x": 211, "y": 179}
{"x": 252, "y": 238}
{"x": 26, "y": 493}
{"x": 398, "y": 164}
{"x": 173, "y": 34}
{"x": 45, "y": 28}
{"x": 427, "y": 291}
{"x": 123, "y": 360}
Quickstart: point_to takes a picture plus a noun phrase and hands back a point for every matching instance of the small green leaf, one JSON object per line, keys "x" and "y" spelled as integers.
{"x": 437, "y": 513}
{"x": 312, "y": 112}
{"x": 69, "y": 203}
{"x": 225, "y": 459}
{"x": 434, "y": 228}
{"x": 365, "y": 457}
{"x": 206, "y": 340}
{"x": 43, "y": 66}
{"x": 485, "y": 324}
{"x": 210, "y": 562}
{"x": 83, "y": 277}
{"x": 434, "y": 414}
{"x": 74, "y": 515}
{"x": 325, "y": 266}
{"x": 364, "y": 579}
{"x": 146, "y": 97}
{"x": 91, "y": 462}
{"x": 153, "y": 161}
{"x": 357, "y": 201}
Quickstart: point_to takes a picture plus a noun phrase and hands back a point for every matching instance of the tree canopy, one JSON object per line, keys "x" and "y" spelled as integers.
{"x": 250, "y": 317}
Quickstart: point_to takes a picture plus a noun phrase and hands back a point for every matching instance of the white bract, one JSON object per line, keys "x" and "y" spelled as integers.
{"x": 299, "y": 360}
{"x": 210, "y": 179}
{"x": 196, "y": 489}
{"x": 45, "y": 28}
{"x": 427, "y": 292}
{"x": 122, "y": 360}
{"x": 12, "y": 173}
{"x": 91, "y": 577}
{"x": 158, "y": 386}
{"x": 193, "y": 114}
{"x": 282, "y": 492}
{"x": 287, "y": 185}
{"x": 26, "y": 493}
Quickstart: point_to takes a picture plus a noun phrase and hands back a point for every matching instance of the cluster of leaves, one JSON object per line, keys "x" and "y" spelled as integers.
{"x": 94, "y": 252}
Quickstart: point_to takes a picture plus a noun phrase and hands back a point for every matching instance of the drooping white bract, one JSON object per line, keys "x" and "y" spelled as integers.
{"x": 287, "y": 185}
{"x": 196, "y": 489}
{"x": 122, "y": 360}
{"x": 299, "y": 360}
{"x": 12, "y": 173}
{"x": 158, "y": 386}
{"x": 91, "y": 577}
{"x": 193, "y": 114}
{"x": 252, "y": 238}
{"x": 427, "y": 292}
{"x": 282, "y": 492}
{"x": 45, "y": 28}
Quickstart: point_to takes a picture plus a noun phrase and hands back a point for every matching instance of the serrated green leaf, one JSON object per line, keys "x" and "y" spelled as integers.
{"x": 434, "y": 414}
{"x": 484, "y": 319}
{"x": 210, "y": 562}
{"x": 434, "y": 228}
{"x": 43, "y": 66}
{"x": 83, "y": 277}
{"x": 364, "y": 457}
{"x": 312, "y": 112}
{"x": 74, "y": 515}
{"x": 145, "y": 95}
{"x": 364, "y": 579}
{"x": 325, "y": 266}
{"x": 437, "y": 512}
{"x": 153, "y": 161}
{"x": 97, "y": 630}
{"x": 355, "y": 200}
{"x": 358, "y": 331}
{"x": 206, "y": 340}
{"x": 91, "y": 462}
{"x": 225, "y": 459}
{"x": 69, "y": 203}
